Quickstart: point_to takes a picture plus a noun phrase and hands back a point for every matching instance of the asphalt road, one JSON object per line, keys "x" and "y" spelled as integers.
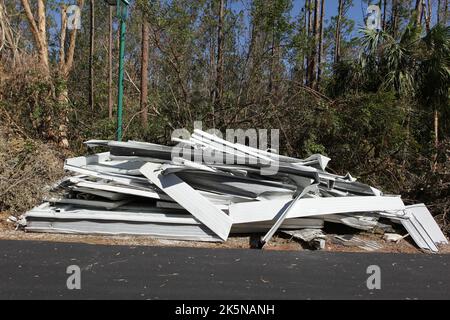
{"x": 37, "y": 270}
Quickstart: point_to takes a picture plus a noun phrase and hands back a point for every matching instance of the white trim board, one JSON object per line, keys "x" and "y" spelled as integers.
{"x": 172, "y": 232}
{"x": 204, "y": 136}
{"x": 90, "y": 203}
{"x": 190, "y": 199}
{"x": 422, "y": 227}
{"x": 149, "y": 193}
{"x": 123, "y": 179}
{"x": 266, "y": 210}
{"x": 426, "y": 220}
{"x": 53, "y": 213}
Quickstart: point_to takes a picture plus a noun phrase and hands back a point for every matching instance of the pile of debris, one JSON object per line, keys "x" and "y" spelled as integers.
{"x": 207, "y": 188}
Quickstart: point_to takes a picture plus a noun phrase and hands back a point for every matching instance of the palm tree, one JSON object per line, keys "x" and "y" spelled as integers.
{"x": 435, "y": 73}
{"x": 392, "y": 63}
{"x": 413, "y": 67}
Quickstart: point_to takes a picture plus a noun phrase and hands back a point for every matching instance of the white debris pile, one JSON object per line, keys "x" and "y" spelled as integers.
{"x": 206, "y": 188}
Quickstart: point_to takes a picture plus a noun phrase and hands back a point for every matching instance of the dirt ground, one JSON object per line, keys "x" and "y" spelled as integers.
{"x": 279, "y": 241}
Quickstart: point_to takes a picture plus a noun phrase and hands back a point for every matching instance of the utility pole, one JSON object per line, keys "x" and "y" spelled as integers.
{"x": 110, "y": 61}
{"x": 122, "y": 12}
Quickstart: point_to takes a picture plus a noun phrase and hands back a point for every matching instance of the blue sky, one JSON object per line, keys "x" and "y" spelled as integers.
{"x": 331, "y": 9}
{"x": 356, "y": 12}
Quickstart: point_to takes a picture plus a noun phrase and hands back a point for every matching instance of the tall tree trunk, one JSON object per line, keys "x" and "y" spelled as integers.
{"x": 110, "y": 62}
{"x": 419, "y": 11}
{"x": 66, "y": 56}
{"x": 272, "y": 61}
{"x": 380, "y": 19}
{"x": 315, "y": 36}
{"x": 275, "y": 66}
{"x": 319, "y": 59}
{"x": 39, "y": 31}
{"x": 428, "y": 16}
{"x": 442, "y": 12}
{"x": 251, "y": 72}
{"x": 212, "y": 67}
{"x": 445, "y": 13}
{"x": 395, "y": 17}
{"x": 438, "y": 15}
{"x": 144, "y": 70}
{"x": 10, "y": 41}
{"x": 62, "y": 39}
{"x": 212, "y": 61}
{"x": 303, "y": 29}
{"x": 436, "y": 138}
{"x": 316, "y": 42}
{"x": 384, "y": 14}
{"x": 220, "y": 49}
{"x": 310, "y": 18}
{"x": 436, "y": 128}
{"x": 91, "y": 53}
{"x": 308, "y": 12}
{"x": 337, "y": 47}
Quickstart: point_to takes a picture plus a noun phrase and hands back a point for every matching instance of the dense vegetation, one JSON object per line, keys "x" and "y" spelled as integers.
{"x": 376, "y": 102}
